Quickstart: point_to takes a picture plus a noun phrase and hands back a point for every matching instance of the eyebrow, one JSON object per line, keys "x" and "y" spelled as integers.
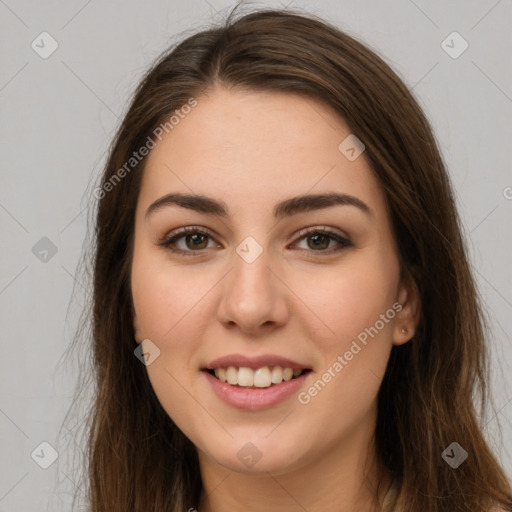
{"x": 286, "y": 208}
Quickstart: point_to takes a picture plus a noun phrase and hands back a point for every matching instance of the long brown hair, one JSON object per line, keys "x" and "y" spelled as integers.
{"x": 138, "y": 460}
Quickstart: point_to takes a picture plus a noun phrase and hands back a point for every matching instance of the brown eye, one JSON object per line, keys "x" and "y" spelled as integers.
{"x": 321, "y": 241}
{"x": 318, "y": 241}
{"x": 197, "y": 241}
{"x": 192, "y": 241}
{"x": 187, "y": 241}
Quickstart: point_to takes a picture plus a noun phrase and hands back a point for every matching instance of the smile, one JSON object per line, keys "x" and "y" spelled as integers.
{"x": 263, "y": 377}
{"x": 254, "y": 398}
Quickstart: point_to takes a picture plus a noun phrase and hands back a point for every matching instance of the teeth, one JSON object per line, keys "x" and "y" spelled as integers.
{"x": 232, "y": 375}
{"x": 287, "y": 374}
{"x": 261, "y": 378}
{"x": 245, "y": 377}
{"x": 277, "y": 375}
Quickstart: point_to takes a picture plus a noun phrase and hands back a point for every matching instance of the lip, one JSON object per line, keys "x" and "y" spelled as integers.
{"x": 254, "y": 399}
{"x": 239, "y": 360}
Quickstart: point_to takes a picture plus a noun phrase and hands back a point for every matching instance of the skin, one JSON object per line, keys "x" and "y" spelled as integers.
{"x": 253, "y": 150}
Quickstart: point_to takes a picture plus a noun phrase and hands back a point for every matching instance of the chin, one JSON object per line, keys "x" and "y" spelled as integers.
{"x": 259, "y": 456}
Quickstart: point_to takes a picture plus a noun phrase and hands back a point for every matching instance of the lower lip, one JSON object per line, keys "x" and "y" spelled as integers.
{"x": 254, "y": 399}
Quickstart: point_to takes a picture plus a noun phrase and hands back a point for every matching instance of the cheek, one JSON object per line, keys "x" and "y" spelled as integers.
{"x": 355, "y": 302}
{"x": 169, "y": 311}
{"x": 355, "y": 357}
{"x": 166, "y": 296}
{"x": 172, "y": 383}
{"x": 351, "y": 297}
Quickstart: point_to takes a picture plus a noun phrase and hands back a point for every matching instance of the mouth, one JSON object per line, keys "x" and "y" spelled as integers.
{"x": 259, "y": 378}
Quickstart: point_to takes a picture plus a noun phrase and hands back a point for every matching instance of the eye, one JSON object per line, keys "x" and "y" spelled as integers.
{"x": 195, "y": 240}
{"x": 319, "y": 240}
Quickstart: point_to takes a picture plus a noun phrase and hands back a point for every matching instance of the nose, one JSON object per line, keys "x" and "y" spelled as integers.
{"x": 254, "y": 297}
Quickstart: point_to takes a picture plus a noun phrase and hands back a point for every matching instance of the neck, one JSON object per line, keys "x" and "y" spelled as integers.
{"x": 337, "y": 481}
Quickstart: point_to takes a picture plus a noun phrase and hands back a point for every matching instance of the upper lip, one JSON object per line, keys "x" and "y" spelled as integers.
{"x": 239, "y": 360}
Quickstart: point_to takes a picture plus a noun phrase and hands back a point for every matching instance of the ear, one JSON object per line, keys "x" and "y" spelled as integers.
{"x": 136, "y": 327}
{"x": 408, "y": 317}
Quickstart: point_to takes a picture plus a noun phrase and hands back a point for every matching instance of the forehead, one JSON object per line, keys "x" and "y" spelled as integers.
{"x": 256, "y": 148}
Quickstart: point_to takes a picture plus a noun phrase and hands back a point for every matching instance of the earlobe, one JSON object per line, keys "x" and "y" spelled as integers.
{"x": 407, "y": 319}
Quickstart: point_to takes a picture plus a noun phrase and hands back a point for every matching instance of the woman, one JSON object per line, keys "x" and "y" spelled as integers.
{"x": 284, "y": 316}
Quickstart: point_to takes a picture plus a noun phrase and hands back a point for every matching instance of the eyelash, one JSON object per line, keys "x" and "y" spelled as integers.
{"x": 168, "y": 241}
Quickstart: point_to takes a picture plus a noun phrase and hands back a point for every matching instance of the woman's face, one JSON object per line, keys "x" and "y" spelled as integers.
{"x": 275, "y": 276}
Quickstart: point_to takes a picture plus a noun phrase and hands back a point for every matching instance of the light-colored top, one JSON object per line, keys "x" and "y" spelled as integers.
{"x": 389, "y": 503}
{"x": 390, "y": 500}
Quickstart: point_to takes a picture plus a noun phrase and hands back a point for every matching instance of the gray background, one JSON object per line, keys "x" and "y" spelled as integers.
{"x": 59, "y": 114}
